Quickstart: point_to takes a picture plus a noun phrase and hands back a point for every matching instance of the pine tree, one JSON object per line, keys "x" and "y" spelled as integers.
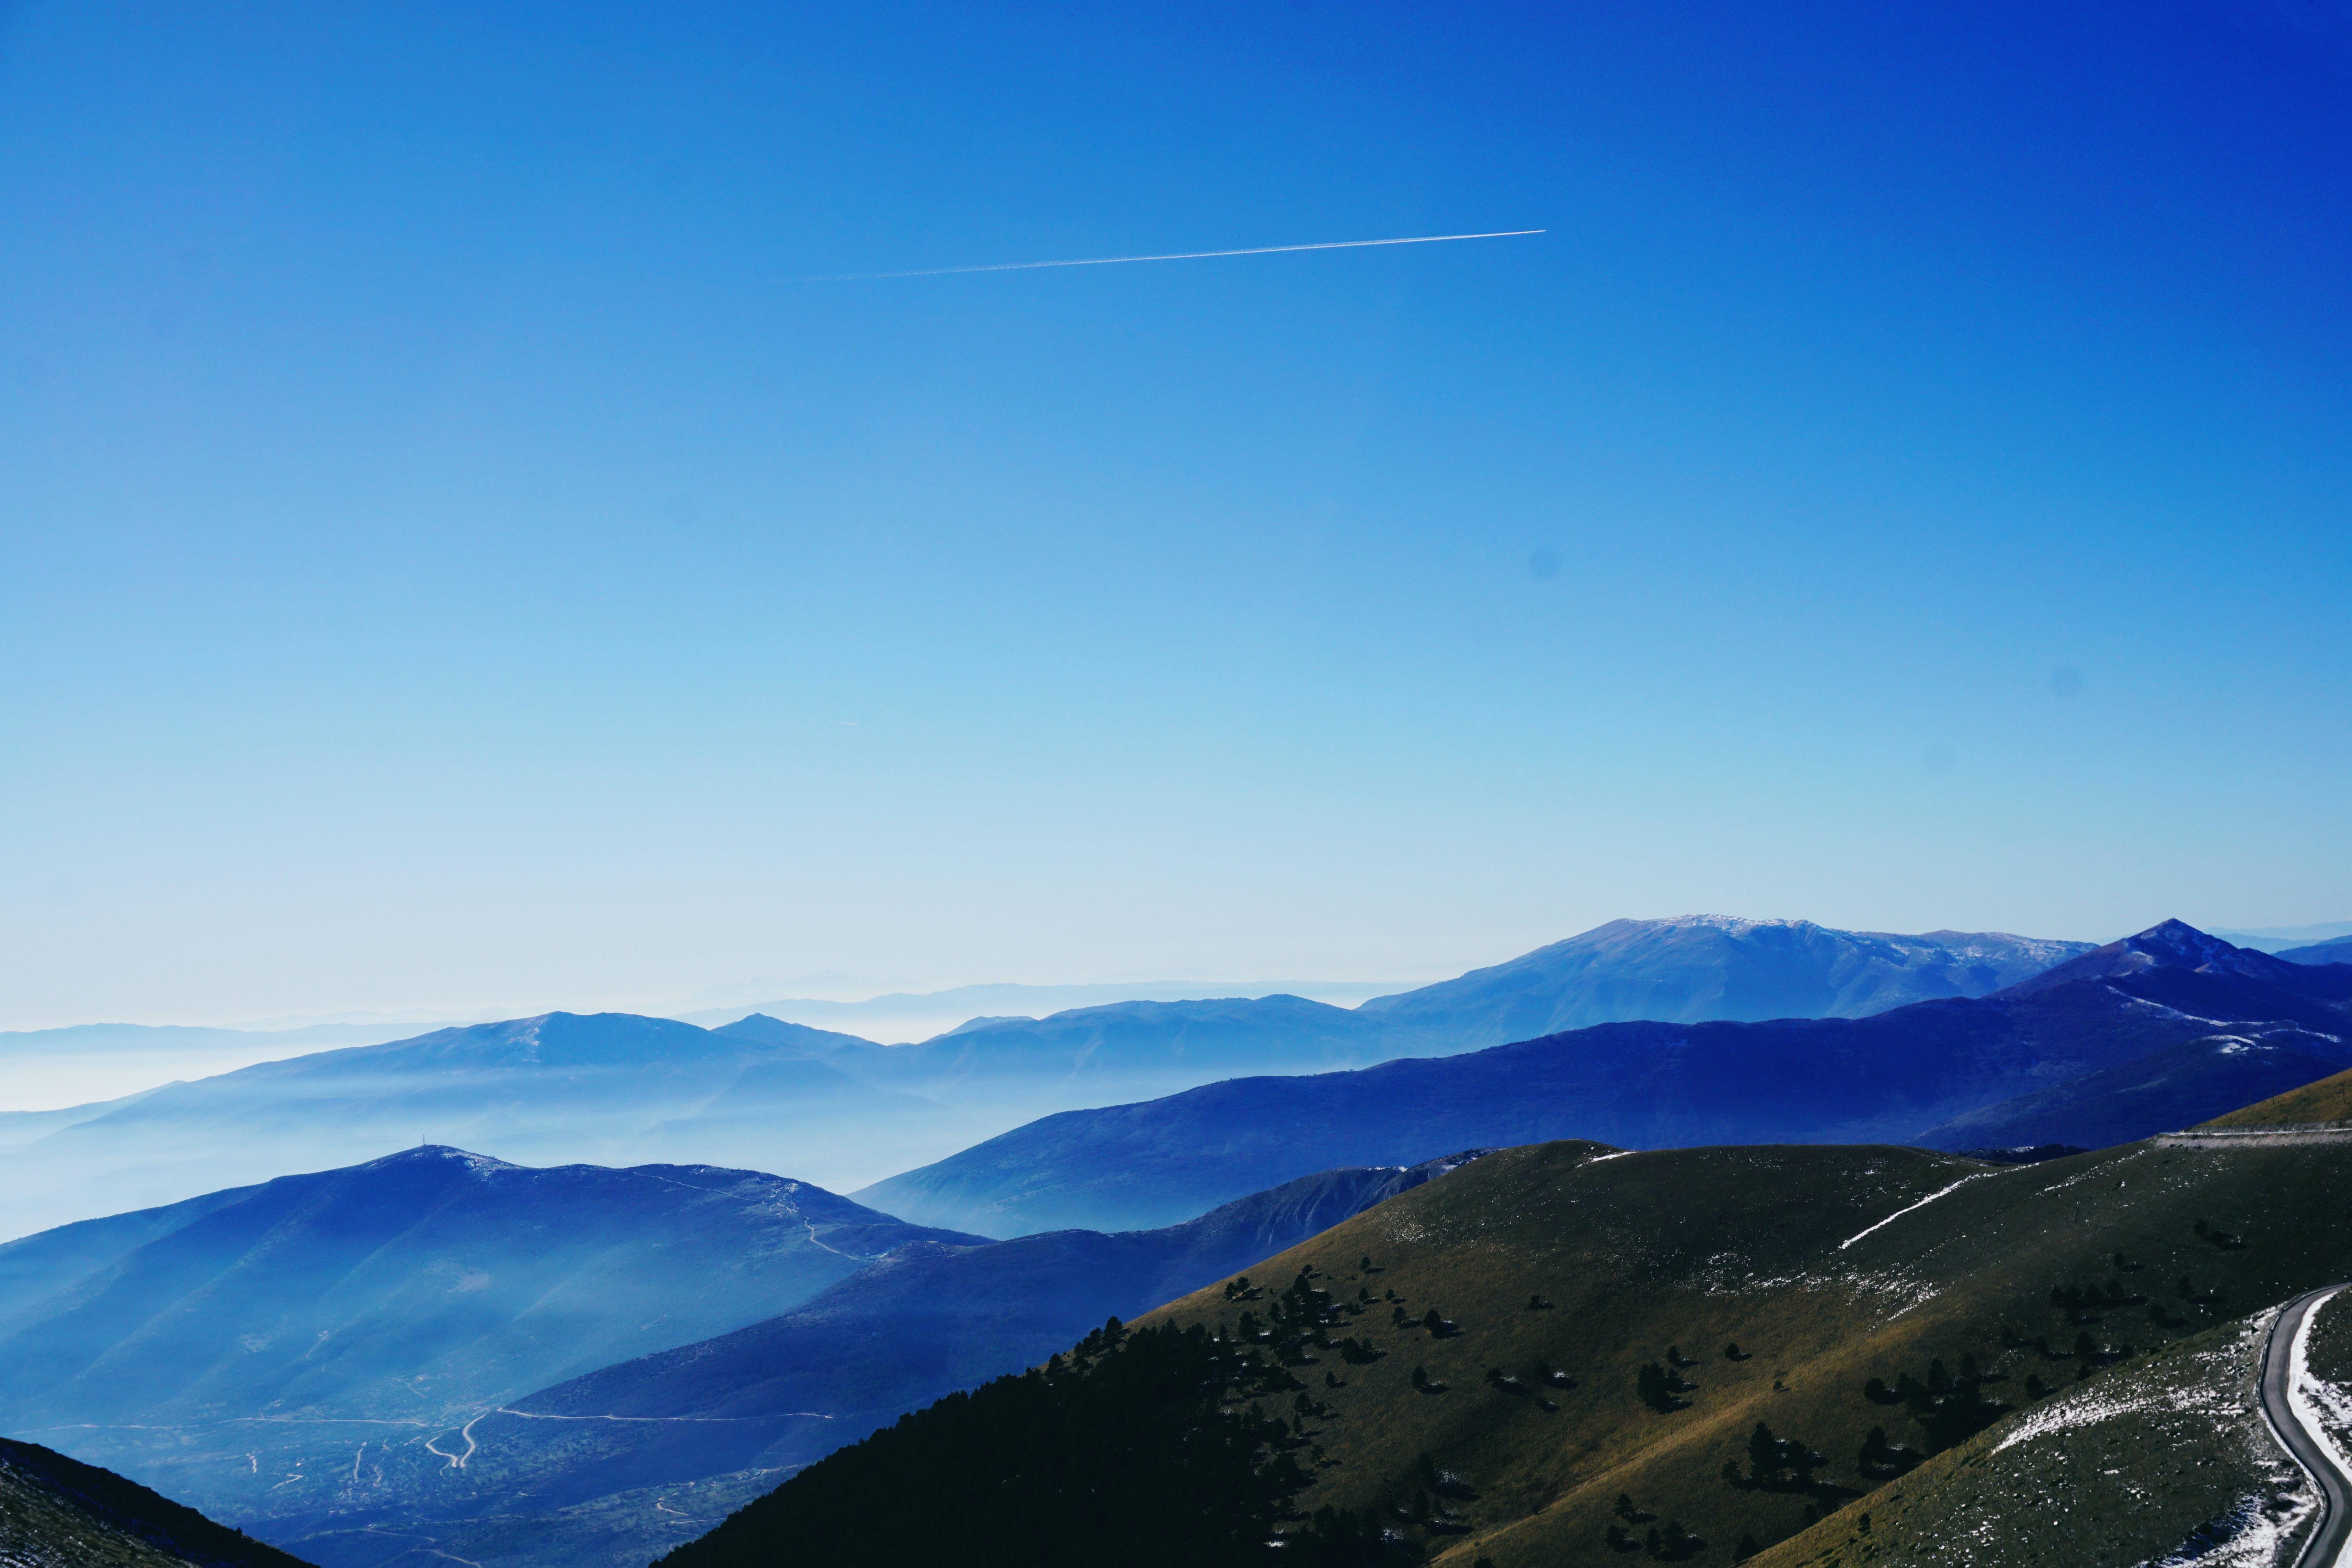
{"x": 1763, "y": 1454}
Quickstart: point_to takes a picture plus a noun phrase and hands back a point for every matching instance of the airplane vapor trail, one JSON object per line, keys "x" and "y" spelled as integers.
{"x": 1173, "y": 256}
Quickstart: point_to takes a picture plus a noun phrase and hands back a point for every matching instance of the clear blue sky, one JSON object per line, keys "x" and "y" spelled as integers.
{"x": 448, "y": 558}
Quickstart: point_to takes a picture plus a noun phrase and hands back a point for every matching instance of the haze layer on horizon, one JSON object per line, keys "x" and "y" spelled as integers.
{"x": 445, "y": 561}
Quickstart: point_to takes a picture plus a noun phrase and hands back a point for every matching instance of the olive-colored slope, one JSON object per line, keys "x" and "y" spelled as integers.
{"x": 2329, "y": 1099}
{"x": 56, "y": 1513}
{"x": 1814, "y": 1261}
{"x": 2170, "y": 1448}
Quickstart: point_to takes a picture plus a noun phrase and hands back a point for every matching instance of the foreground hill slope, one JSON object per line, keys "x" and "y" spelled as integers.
{"x": 1556, "y": 1351}
{"x": 57, "y": 1513}
{"x": 1709, "y": 968}
{"x": 2328, "y": 1100}
{"x": 1651, "y": 1085}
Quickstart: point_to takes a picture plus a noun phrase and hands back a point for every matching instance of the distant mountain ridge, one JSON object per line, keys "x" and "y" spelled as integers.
{"x": 1888, "y": 1077}
{"x": 1704, "y": 968}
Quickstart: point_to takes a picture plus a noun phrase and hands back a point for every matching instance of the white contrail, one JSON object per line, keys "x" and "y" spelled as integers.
{"x": 1173, "y": 256}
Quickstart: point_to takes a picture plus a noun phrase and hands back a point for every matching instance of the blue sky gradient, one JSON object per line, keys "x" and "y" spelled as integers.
{"x": 447, "y": 559}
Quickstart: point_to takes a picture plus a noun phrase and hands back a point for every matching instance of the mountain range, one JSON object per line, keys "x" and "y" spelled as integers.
{"x": 405, "y": 1290}
{"x": 544, "y": 1369}
{"x": 1705, "y": 968}
{"x": 1894, "y": 1076}
{"x": 329, "y": 1358}
{"x": 844, "y": 1111}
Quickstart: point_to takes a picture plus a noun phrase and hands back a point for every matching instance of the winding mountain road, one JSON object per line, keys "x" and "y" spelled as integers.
{"x": 2308, "y": 1448}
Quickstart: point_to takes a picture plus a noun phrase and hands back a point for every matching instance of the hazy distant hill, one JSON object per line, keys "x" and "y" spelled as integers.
{"x": 613, "y": 1088}
{"x": 1126, "y": 1042}
{"x": 919, "y": 1015}
{"x": 1701, "y": 968}
{"x": 1888, "y": 1077}
{"x": 620, "y": 1464}
{"x": 403, "y": 1288}
{"x": 2336, "y": 951}
{"x": 57, "y": 1513}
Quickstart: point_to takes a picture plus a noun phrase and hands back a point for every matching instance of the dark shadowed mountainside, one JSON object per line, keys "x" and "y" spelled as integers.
{"x": 1887, "y": 1077}
{"x": 2164, "y": 1091}
{"x": 1705, "y": 968}
{"x": 57, "y": 1513}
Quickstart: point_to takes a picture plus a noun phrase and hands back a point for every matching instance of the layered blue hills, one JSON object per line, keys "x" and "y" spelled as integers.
{"x": 616, "y": 1089}
{"x": 344, "y": 1364}
{"x": 1888, "y": 1077}
{"x": 405, "y": 1288}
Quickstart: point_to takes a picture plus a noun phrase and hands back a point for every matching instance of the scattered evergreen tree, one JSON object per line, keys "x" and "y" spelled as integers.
{"x": 1763, "y": 1454}
{"x": 1652, "y": 1386}
{"x": 1882, "y": 1460}
{"x": 1673, "y": 1542}
{"x": 1335, "y": 1538}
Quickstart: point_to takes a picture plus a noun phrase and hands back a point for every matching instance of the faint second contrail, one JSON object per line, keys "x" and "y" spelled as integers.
{"x": 1173, "y": 256}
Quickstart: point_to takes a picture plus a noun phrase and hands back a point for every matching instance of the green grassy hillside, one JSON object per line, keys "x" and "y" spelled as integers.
{"x": 56, "y": 1513}
{"x": 2171, "y": 1448}
{"x": 1579, "y": 1388}
{"x": 1771, "y": 1249}
{"x": 2329, "y": 1099}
